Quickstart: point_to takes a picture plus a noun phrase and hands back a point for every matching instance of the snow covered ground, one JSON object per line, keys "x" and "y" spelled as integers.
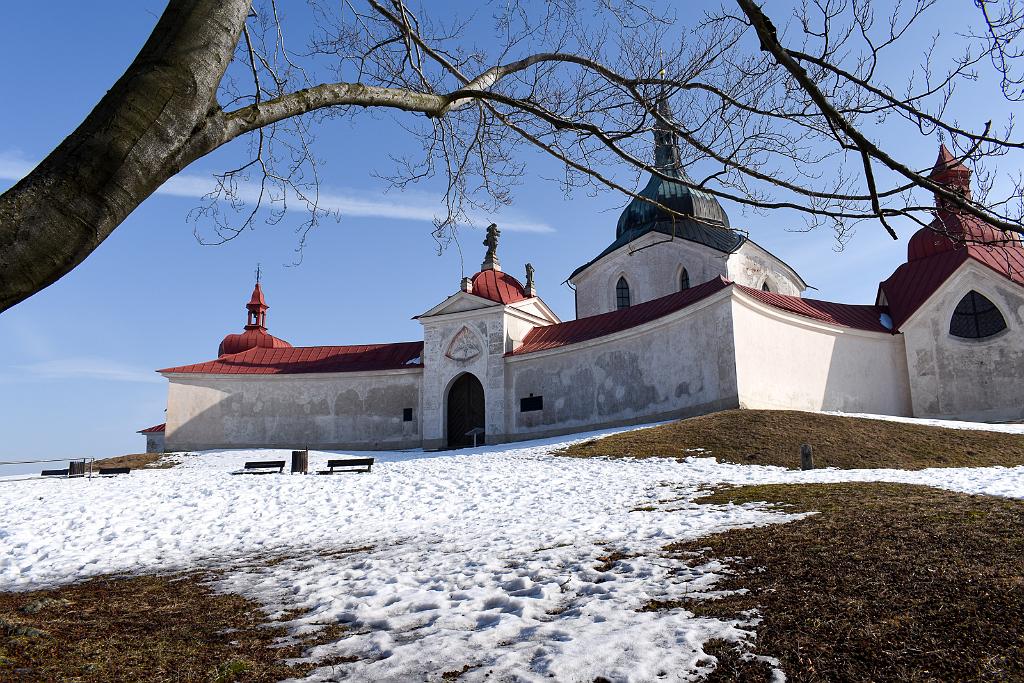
{"x": 490, "y": 558}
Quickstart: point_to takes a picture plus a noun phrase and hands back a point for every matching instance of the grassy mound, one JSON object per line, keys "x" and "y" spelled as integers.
{"x": 145, "y": 628}
{"x": 137, "y": 461}
{"x": 773, "y": 437}
{"x": 890, "y": 582}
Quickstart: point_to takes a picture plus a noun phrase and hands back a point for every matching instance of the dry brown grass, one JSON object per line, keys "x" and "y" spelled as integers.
{"x": 147, "y": 628}
{"x": 890, "y": 582}
{"x": 773, "y": 437}
{"x": 137, "y": 461}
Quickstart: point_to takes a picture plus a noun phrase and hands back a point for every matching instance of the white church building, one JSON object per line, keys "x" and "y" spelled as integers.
{"x": 677, "y": 317}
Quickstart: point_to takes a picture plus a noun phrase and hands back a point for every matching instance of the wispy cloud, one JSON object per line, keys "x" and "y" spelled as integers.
{"x": 408, "y": 206}
{"x": 89, "y": 368}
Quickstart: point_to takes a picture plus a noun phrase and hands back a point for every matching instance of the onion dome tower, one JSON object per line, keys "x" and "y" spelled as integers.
{"x": 255, "y": 334}
{"x": 695, "y": 215}
{"x": 952, "y": 228}
{"x": 700, "y": 208}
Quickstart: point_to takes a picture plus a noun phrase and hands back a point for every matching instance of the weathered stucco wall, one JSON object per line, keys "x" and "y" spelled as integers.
{"x": 651, "y": 271}
{"x": 752, "y": 266}
{"x": 679, "y": 365}
{"x": 155, "y": 442}
{"x": 787, "y": 362}
{"x": 337, "y": 410}
{"x": 967, "y": 379}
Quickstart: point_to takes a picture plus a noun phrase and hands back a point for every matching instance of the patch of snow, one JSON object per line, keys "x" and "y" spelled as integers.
{"x": 1006, "y": 428}
{"x": 494, "y": 557}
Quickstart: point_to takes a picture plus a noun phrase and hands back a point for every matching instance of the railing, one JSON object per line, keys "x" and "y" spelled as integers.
{"x": 77, "y": 467}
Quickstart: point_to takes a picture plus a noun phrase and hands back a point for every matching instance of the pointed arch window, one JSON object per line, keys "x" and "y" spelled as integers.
{"x": 684, "y": 280}
{"x": 621, "y": 294}
{"x": 765, "y": 287}
{"x": 975, "y": 317}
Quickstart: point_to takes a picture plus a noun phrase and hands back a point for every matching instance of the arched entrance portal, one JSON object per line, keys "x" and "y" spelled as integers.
{"x": 465, "y": 411}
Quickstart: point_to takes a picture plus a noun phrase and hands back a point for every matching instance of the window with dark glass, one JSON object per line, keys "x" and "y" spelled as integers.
{"x": 622, "y": 293}
{"x": 406, "y": 414}
{"x": 975, "y": 317}
{"x": 684, "y": 280}
{"x": 531, "y": 403}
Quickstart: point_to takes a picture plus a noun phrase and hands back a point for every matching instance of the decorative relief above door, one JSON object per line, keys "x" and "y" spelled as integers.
{"x": 464, "y": 346}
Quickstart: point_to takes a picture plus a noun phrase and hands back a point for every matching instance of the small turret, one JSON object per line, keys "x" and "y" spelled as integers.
{"x": 952, "y": 174}
{"x": 255, "y": 334}
{"x": 952, "y": 229}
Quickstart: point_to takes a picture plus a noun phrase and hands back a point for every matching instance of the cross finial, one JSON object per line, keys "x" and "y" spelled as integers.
{"x": 491, "y": 242}
{"x": 257, "y": 273}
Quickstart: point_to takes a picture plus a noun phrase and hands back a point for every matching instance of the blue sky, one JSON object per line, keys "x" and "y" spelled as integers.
{"x": 76, "y": 375}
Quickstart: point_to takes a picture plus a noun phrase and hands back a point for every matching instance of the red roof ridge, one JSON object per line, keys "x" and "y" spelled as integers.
{"x": 311, "y": 359}
{"x": 154, "y": 429}
{"x": 855, "y": 316}
{"x": 603, "y": 324}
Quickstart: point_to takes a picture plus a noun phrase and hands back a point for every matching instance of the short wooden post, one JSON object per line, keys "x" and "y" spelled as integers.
{"x": 806, "y": 457}
{"x": 300, "y": 462}
{"x": 76, "y": 468}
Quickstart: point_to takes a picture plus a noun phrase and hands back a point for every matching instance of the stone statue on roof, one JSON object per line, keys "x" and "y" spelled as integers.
{"x": 491, "y": 242}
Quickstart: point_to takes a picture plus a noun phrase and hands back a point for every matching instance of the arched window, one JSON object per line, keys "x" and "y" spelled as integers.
{"x": 622, "y": 293}
{"x": 975, "y": 317}
{"x": 684, "y": 280}
{"x": 765, "y": 287}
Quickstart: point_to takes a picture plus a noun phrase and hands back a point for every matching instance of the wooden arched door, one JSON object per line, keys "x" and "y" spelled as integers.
{"x": 465, "y": 411}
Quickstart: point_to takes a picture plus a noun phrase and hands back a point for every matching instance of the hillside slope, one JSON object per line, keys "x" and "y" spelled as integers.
{"x": 773, "y": 437}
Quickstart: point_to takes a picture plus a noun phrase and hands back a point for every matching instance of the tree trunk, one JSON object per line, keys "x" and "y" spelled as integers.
{"x": 158, "y": 117}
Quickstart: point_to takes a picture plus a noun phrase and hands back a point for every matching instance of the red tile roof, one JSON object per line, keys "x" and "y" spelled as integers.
{"x": 856, "y": 316}
{"x": 915, "y": 281}
{"x": 498, "y": 286}
{"x": 311, "y": 359}
{"x": 153, "y": 430}
{"x": 592, "y": 327}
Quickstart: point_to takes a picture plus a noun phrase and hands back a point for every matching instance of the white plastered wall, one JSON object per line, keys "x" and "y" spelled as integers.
{"x": 788, "y": 362}
{"x": 331, "y": 410}
{"x": 967, "y": 379}
{"x": 682, "y": 364}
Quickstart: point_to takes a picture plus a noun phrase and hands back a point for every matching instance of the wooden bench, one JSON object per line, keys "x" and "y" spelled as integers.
{"x": 111, "y": 471}
{"x": 54, "y": 473}
{"x": 257, "y": 466}
{"x": 348, "y": 465}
